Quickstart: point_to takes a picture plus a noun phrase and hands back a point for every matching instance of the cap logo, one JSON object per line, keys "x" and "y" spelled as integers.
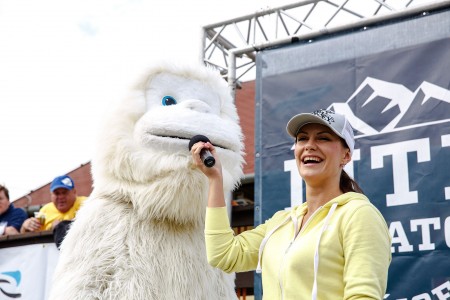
{"x": 325, "y": 114}
{"x": 67, "y": 181}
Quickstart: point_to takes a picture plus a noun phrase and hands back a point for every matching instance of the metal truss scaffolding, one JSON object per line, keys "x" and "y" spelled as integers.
{"x": 231, "y": 45}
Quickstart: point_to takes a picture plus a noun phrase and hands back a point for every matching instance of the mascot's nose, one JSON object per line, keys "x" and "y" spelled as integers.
{"x": 196, "y": 105}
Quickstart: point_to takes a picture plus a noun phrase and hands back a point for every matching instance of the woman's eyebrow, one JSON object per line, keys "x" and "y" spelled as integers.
{"x": 320, "y": 132}
{"x": 325, "y": 131}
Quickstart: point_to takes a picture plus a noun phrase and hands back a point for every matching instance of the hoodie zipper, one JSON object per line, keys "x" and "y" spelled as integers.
{"x": 280, "y": 279}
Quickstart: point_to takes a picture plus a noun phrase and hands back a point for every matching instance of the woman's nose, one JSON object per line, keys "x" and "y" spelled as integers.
{"x": 310, "y": 145}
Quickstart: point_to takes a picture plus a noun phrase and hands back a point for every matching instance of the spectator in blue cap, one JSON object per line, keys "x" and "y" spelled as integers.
{"x": 11, "y": 218}
{"x": 63, "y": 207}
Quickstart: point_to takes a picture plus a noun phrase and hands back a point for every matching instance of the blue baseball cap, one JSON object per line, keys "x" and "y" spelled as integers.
{"x": 64, "y": 182}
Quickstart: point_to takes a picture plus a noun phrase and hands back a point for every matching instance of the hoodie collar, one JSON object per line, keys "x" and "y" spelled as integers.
{"x": 301, "y": 210}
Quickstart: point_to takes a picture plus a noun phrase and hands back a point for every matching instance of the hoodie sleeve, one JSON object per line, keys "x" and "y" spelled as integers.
{"x": 226, "y": 251}
{"x": 367, "y": 252}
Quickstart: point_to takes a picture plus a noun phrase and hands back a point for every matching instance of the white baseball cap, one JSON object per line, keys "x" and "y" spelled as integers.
{"x": 336, "y": 122}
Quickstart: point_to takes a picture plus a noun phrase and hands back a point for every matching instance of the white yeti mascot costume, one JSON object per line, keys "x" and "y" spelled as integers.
{"x": 140, "y": 236}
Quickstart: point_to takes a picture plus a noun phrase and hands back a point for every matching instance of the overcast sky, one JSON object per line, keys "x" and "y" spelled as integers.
{"x": 62, "y": 63}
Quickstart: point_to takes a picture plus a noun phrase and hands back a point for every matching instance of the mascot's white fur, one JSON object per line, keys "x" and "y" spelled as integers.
{"x": 141, "y": 233}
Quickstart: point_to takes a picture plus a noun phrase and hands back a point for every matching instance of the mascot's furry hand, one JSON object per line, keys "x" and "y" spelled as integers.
{"x": 141, "y": 233}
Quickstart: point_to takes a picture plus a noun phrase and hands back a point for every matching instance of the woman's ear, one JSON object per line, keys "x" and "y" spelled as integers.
{"x": 347, "y": 157}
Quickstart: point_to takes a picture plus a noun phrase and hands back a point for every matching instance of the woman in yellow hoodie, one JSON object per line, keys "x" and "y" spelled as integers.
{"x": 336, "y": 245}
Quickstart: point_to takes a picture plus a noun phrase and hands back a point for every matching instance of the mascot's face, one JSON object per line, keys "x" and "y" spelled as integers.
{"x": 177, "y": 108}
{"x": 142, "y": 153}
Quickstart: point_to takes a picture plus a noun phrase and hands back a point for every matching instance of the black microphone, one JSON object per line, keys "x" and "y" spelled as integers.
{"x": 205, "y": 154}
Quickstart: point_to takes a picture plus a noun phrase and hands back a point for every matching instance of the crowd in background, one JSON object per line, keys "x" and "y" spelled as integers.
{"x": 55, "y": 216}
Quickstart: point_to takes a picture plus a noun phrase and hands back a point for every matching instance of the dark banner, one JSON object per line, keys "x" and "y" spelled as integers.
{"x": 398, "y": 101}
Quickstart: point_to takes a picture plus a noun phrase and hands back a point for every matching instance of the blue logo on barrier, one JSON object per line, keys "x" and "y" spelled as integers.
{"x": 9, "y": 283}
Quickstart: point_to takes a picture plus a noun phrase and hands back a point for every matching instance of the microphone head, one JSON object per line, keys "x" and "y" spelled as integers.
{"x": 197, "y": 138}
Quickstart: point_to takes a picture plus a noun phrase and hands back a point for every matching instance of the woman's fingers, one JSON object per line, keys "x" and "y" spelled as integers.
{"x": 195, "y": 150}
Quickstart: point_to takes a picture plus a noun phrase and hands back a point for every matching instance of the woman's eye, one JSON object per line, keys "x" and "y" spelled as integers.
{"x": 168, "y": 100}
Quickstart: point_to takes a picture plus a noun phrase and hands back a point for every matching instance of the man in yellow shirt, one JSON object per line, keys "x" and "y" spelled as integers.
{"x": 64, "y": 205}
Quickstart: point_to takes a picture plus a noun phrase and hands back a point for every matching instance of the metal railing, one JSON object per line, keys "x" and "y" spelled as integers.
{"x": 231, "y": 46}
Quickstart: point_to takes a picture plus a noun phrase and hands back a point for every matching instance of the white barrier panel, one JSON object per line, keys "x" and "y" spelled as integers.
{"x": 26, "y": 271}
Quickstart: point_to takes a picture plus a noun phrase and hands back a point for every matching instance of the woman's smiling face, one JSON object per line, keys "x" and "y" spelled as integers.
{"x": 320, "y": 154}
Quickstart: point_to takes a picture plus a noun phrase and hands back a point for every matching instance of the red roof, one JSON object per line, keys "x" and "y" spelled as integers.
{"x": 245, "y": 103}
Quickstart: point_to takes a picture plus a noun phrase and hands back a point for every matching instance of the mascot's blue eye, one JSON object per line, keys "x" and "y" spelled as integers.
{"x": 168, "y": 100}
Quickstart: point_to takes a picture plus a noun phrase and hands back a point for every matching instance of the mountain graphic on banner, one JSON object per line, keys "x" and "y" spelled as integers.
{"x": 379, "y": 106}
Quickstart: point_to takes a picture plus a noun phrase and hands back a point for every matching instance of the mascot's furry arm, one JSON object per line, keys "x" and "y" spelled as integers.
{"x": 141, "y": 233}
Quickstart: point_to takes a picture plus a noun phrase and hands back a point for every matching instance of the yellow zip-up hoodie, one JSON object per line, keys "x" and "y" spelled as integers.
{"x": 341, "y": 252}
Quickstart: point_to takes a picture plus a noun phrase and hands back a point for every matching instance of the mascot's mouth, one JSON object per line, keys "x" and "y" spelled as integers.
{"x": 188, "y": 139}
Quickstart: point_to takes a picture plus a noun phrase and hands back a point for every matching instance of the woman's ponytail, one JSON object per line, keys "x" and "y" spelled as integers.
{"x": 347, "y": 184}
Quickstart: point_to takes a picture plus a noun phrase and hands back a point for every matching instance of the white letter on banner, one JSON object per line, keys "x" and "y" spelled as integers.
{"x": 439, "y": 291}
{"x": 401, "y": 238}
{"x": 296, "y": 182}
{"x": 426, "y": 239}
{"x": 402, "y": 195}
{"x": 447, "y": 231}
{"x": 423, "y": 296}
{"x": 446, "y": 143}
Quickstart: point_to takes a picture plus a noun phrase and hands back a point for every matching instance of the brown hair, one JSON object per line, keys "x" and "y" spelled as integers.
{"x": 347, "y": 184}
{"x": 3, "y": 188}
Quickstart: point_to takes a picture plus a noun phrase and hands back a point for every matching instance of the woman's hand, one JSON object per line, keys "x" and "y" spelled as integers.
{"x": 215, "y": 195}
{"x": 211, "y": 172}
